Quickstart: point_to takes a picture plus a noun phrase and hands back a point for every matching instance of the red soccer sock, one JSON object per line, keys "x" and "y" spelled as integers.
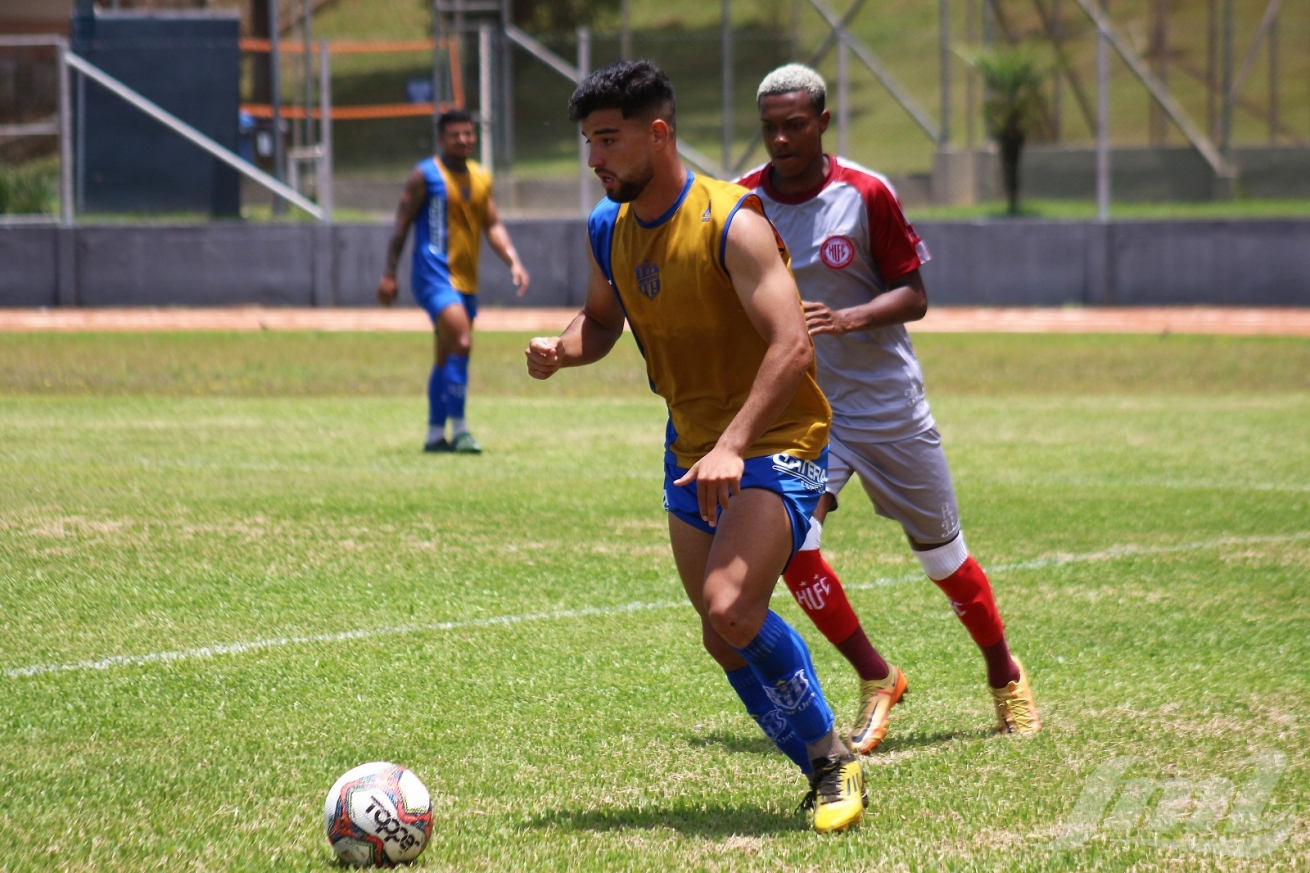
{"x": 819, "y": 593}
{"x": 1001, "y": 667}
{"x": 966, "y": 586}
{"x": 970, "y": 595}
{"x": 868, "y": 664}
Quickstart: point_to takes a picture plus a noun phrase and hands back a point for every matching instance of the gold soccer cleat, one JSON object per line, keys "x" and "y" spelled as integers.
{"x": 837, "y": 796}
{"x": 877, "y": 697}
{"x": 1016, "y": 708}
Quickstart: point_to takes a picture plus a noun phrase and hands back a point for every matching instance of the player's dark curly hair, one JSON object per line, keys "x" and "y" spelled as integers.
{"x": 453, "y": 116}
{"x": 638, "y": 89}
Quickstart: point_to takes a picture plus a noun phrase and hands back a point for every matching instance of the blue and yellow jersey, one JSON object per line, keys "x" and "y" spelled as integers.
{"x": 448, "y": 228}
{"x": 702, "y": 352}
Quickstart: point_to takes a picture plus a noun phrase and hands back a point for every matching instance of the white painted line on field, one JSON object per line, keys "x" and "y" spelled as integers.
{"x": 343, "y": 636}
{"x": 1110, "y": 554}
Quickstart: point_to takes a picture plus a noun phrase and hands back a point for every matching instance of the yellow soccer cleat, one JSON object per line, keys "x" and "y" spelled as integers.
{"x": 877, "y": 697}
{"x": 837, "y": 796}
{"x": 1016, "y": 708}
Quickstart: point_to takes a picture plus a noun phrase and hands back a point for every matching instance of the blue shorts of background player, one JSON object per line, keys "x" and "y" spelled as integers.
{"x": 433, "y": 302}
{"x": 800, "y": 484}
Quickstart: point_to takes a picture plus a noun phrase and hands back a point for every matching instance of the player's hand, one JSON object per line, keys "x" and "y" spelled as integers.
{"x": 387, "y": 290}
{"x": 820, "y": 319}
{"x": 520, "y": 278}
{"x": 545, "y": 356}
{"x": 718, "y": 480}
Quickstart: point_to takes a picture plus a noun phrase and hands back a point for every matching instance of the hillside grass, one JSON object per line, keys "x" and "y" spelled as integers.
{"x": 684, "y": 37}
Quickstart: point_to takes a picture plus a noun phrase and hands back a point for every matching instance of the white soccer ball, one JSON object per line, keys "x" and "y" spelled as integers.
{"x": 378, "y": 815}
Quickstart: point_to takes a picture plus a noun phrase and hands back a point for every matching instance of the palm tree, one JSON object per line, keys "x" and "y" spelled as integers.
{"x": 1014, "y": 104}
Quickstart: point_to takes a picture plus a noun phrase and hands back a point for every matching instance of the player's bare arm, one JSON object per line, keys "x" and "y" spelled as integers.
{"x": 587, "y": 339}
{"x": 503, "y": 246}
{"x": 906, "y": 301}
{"x": 768, "y": 295}
{"x": 411, "y": 201}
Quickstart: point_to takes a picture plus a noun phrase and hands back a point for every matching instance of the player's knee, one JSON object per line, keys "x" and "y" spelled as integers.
{"x": 733, "y": 620}
{"x": 455, "y": 344}
{"x": 717, "y": 646}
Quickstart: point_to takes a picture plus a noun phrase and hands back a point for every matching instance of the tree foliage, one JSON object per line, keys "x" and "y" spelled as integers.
{"x": 562, "y": 15}
{"x": 1013, "y": 107}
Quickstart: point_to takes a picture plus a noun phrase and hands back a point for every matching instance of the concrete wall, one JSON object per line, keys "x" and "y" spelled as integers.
{"x": 992, "y": 263}
{"x": 1177, "y": 174}
{"x": 1123, "y": 263}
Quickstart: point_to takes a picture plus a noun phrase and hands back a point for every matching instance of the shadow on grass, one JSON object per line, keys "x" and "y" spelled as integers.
{"x": 734, "y": 742}
{"x": 904, "y": 742}
{"x": 699, "y": 820}
{"x": 741, "y": 744}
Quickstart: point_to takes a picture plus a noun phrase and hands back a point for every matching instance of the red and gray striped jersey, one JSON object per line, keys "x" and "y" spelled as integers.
{"x": 848, "y": 239}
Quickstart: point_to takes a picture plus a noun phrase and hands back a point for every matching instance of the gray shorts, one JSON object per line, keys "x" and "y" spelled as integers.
{"x": 907, "y": 480}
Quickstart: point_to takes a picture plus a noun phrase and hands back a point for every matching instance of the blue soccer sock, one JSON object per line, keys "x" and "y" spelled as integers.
{"x": 780, "y": 659}
{"x": 767, "y": 716}
{"x": 436, "y": 398}
{"x": 455, "y": 377}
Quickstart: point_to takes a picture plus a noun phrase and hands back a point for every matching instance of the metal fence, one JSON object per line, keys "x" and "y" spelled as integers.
{"x": 1212, "y": 76}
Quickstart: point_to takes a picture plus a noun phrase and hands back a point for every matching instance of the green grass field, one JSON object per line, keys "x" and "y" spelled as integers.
{"x": 227, "y": 575}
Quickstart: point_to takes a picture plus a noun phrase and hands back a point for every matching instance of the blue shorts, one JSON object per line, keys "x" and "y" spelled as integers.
{"x": 436, "y": 301}
{"x": 800, "y": 484}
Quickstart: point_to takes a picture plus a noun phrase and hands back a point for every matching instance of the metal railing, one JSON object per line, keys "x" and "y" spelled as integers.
{"x": 62, "y": 128}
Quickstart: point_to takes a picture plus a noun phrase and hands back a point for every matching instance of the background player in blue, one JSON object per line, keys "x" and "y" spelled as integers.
{"x": 700, "y": 275}
{"x": 448, "y": 200}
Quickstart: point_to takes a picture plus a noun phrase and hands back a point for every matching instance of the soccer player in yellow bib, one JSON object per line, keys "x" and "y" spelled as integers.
{"x": 448, "y": 200}
{"x": 702, "y": 279}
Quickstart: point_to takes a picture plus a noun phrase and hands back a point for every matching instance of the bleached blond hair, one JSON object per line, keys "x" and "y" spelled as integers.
{"x": 794, "y": 77}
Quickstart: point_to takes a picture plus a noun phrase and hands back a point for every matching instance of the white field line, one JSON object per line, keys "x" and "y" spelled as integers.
{"x": 1110, "y": 554}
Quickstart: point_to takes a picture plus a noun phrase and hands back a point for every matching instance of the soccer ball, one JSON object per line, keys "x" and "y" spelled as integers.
{"x": 378, "y": 815}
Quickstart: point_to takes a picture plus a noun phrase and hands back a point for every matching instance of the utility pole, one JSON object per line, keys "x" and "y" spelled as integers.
{"x": 1159, "y": 124}
{"x": 584, "y": 171}
{"x": 275, "y": 98}
{"x": 1273, "y": 81}
{"x": 726, "y": 17}
{"x": 306, "y": 31}
{"x": 438, "y": 67}
{"x": 625, "y": 30}
{"x": 843, "y": 97}
{"x": 1226, "y": 116}
{"x": 944, "y": 61}
{"x": 1102, "y": 123}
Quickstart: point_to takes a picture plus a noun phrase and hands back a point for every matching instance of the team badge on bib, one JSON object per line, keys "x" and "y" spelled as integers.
{"x": 837, "y": 252}
{"x": 648, "y": 279}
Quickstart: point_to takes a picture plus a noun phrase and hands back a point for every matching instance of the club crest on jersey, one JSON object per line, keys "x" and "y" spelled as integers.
{"x": 837, "y": 252}
{"x": 792, "y": 694}
{"x": 813, "y": 476}
{"x": 648, "y": 279}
